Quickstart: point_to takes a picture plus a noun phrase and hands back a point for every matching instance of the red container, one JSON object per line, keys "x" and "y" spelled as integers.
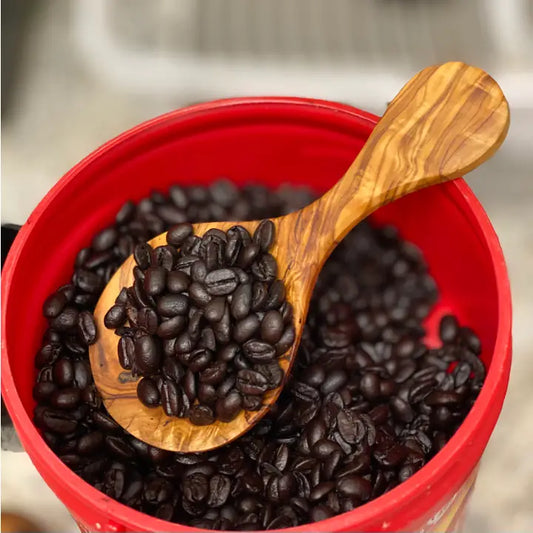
{"x": 270, "y": 140}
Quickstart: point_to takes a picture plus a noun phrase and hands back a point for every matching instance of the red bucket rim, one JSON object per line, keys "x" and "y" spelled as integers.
{"x": 496, "y": 379}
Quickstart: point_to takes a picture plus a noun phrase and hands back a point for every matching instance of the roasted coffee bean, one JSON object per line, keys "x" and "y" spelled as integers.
{"x": 171, "y": 398}
{"x": 334, "y": 381}
{"x": 264, "y": 235}
{"x": 177, "y": 234}
{"x": 66, "y": 398}
{"x": 201, "y": 415}
{"x": 221, "y": 282}
{"x": 90, "y": 443}
{"x": 115, "y": 317}
{"x": 148, "y": 393}
{"x": 353, "y": 485}
{"x": 250, "y": 382}
{"x": 147, "y": 355}
{"x": 147, "y": 320}
{"x": 105, "y": 239}
{"x": 448, "y": 329}
{"x": 265, "y": 268}
{"x": 241, "y": 301}
{"x": 58, "y": 422}
{"x": 272, "y": 372}
{"x": 170, "y": 305}
{"x": 66, "y": 320}
{"x": 214, "y": 373}
{"x": 200, "y": 360}
{"x": 272, "y": 327}
{"x": 258, "y": 351}
{"x": 82, "y": 374}
{"x": 286, "y": 340}
{"x": 126, "y": 352}
{"x": 246, "y": 328}
{"x": 43, "y": 390}
{"x": 63, "y": 372}
{"x": 228, "y": 407}
{"x": 155, "y": 280}
{"x": 172, "y": 327}
{"x": 164, "y": 256}
{"x": 401, "y": 409}
{"x": 247, "y": 255}
{"x": 54, "y": 304}
{"x": 87, "y": 327}
{"x": 48, "y": 354}
{"x": 199, "y": 294}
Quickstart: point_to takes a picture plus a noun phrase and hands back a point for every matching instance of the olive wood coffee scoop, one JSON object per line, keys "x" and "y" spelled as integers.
{"x": 446, "y": 121}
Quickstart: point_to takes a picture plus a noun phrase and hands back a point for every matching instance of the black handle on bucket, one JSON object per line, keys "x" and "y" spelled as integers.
{"x": 10, "y": 440}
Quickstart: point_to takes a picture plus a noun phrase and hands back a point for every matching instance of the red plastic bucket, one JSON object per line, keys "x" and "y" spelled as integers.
{"x": 270, "y": 140}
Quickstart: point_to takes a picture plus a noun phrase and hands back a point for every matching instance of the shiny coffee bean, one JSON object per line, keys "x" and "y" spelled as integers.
{"x": 148, "y": 393}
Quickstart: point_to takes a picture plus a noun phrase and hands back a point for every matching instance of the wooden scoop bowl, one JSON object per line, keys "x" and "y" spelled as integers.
{"x": 446, "y": 121}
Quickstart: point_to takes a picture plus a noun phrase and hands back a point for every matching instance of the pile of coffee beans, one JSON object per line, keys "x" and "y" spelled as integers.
{"x": 367, "y": 405}
{"x": 206, "y": 320}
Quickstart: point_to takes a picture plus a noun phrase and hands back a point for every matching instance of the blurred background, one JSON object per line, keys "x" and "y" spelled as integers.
{"x": 75, "y": 73}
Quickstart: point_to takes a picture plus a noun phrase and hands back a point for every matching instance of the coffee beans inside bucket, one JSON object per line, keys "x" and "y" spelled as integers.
{"x": 367, "y": 405}
{"x": 203, "y": 322}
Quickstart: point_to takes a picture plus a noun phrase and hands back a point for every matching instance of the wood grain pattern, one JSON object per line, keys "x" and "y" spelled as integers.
{"x": 445, "y": 121}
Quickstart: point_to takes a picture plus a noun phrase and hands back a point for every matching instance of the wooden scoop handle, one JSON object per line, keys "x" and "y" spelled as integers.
{"x": 447, "y": 120}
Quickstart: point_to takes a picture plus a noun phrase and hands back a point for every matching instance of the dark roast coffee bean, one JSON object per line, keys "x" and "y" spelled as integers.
{"x": 143, "y": 255}
{"x": 66, "y": 398}
{"x": 286, "y": 340}
{"x": 147, "y": 355}
{"x": 228, "y": 407}
{"x": 242, "y": 301}
{"x": 54, "y": 304}
{"x": 264, "y": 235}
{"x": 115, "y": 317}
{"x": 164, "y": 256}
{"x": 59, "y": 422}
{"x": 246, "y": 328}
{"x": 250, "y": 382}
{"x": 63, "y": 372}
{"x": 147, "y": 320}
{"x": 258, "y": 351}
{"x": 199, "y": 294}
{"x": 126, "y": 352}
{"x": 170, "y": 305}
{"x": 221, "y": 282}
{"x": 199, "y": 362}
{"x": 87, "y": 327}
{"x": 88, "y": 281}
{"x": 214, "y": 373}
{"x": 119, "y": 447}
{"x": 66, "y": 320}
{"x": 247, "y": 255}
{"x": 172, "y": 327}
{"x": 177, "y": 281}
{"x": 105, "y": 239}
{"x": 201, "y": 415}
{"x": 265, "y": 268}
{"x": 177, "y": 234}
{"x": 171, "y": 398}
{"x": 148, "y": 393}
{"x": 155, "y": 280}
{"x": 272, "y": 327}
{"x": 448, "y": 329}
{"x": 353, "y": 485}
{"x": 43, "y": 390}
